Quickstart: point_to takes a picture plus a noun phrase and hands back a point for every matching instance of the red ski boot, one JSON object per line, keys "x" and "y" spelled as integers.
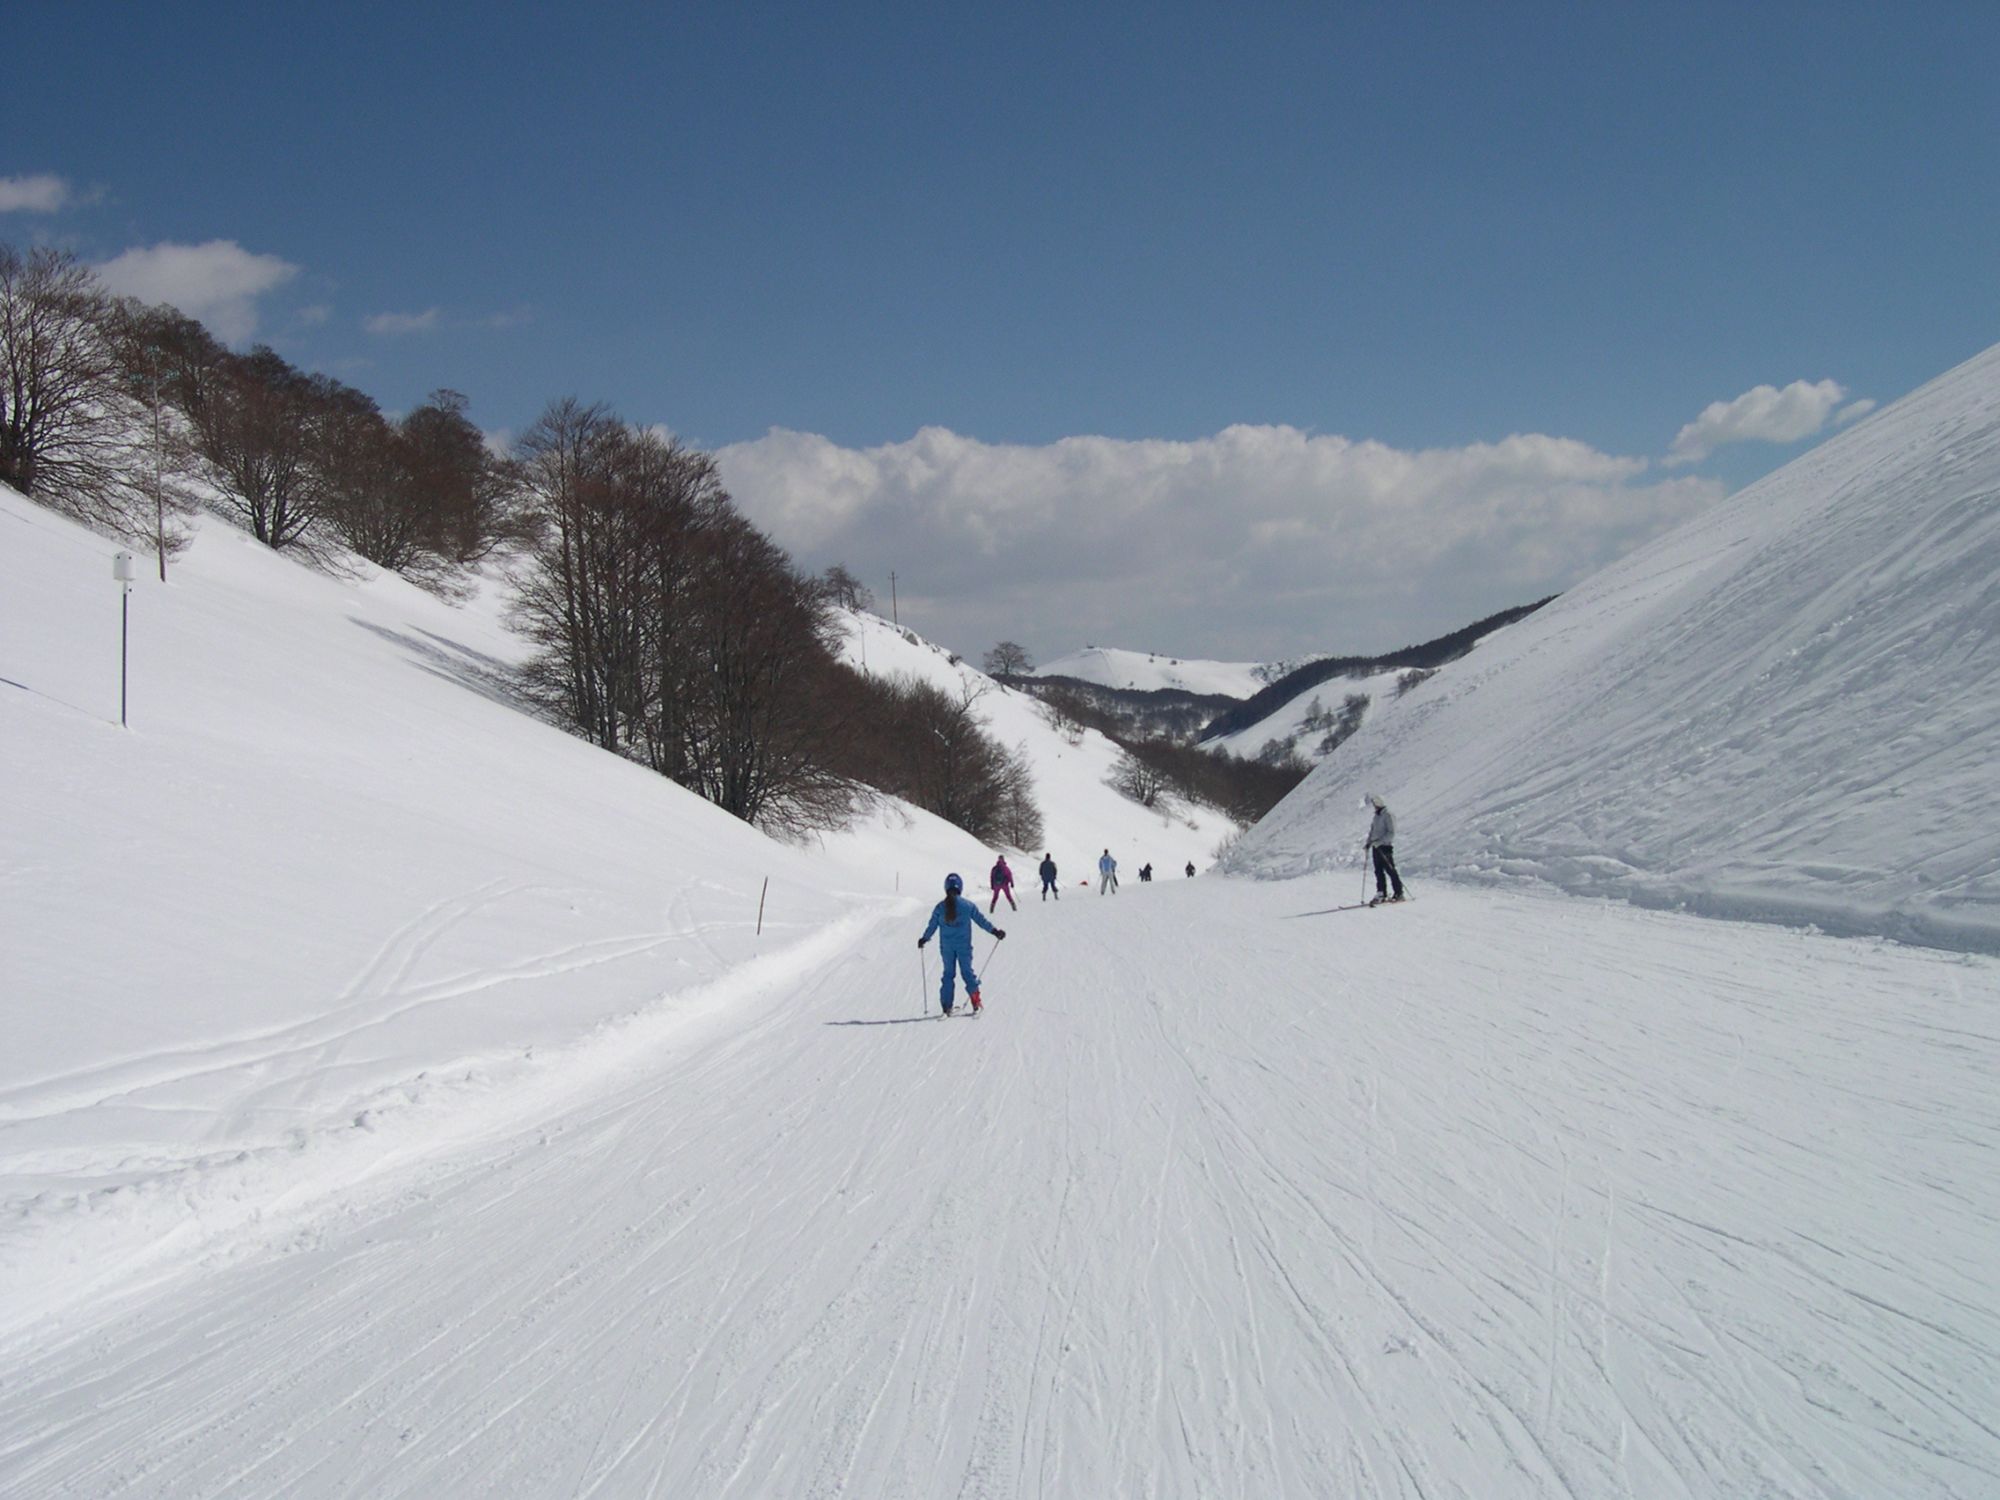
{"x": 975, "y": 1002}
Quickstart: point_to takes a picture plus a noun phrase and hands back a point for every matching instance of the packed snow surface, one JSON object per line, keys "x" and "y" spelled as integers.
{"x": 1787, "y": 708}
{"x": 1231, "y": 1192}
{"x": 1109, "y": 666}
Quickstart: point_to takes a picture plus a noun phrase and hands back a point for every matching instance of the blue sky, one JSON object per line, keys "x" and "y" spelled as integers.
{"x": 1423, "y": 228}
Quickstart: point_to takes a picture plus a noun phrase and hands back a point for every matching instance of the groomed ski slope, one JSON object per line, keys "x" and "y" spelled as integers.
{"x": 1785, "y": 709}
{"x": 1230, "y": 1194}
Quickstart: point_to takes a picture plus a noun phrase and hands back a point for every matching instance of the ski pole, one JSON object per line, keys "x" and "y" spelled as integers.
{"x": 1364, "y": 872}
{"x": 923, "y": 984}
{"x": 990, "y": 955}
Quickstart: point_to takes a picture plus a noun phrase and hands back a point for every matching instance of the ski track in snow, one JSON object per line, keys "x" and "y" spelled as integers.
{"x": 1493, "y": 1195}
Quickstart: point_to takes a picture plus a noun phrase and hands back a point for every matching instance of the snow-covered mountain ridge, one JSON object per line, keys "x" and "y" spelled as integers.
{"x": 1785, "y": 709}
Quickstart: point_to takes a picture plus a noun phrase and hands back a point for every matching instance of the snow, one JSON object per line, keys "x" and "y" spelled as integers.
{"x": 1229, "y": 1193}
{"x": 399, "y": 1099}
{"x": 1109, "y": 666}
{"x": 1786, "y": 709}
{"x": 1286, "y": 722}
{"x": 332, "y": 882}
{"x": 328, "y": 874}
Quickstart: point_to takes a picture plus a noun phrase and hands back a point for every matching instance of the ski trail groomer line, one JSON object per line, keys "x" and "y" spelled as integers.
{"x": 953, "y": 919}
{"x": 1382, "y": 840}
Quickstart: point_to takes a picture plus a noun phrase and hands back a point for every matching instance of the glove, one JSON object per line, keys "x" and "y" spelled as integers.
{"x": 921, "y": 941}
{"x": 999, "y": 932}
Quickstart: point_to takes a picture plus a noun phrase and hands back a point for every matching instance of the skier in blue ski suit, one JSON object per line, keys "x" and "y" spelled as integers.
{"x": 953, "y": 918}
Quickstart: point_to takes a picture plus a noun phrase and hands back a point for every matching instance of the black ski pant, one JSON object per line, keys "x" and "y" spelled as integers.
{"x": 1049, "y": 884}
{"x": 1385, "y": 871}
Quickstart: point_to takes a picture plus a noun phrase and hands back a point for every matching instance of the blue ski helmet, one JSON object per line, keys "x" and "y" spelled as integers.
{"x": 953, "y": 885}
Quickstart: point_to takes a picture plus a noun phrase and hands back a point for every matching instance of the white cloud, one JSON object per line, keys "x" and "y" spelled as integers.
{"x": 218, "y": 282}
{"x": 1854, "y": 411}
{"x": 1763, "y": 414}
{"x": 392, "y": 325}
{"x": 43, "y": 193}
{"x": 1256, "y": 541}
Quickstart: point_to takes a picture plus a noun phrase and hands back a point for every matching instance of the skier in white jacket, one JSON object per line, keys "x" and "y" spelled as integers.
{"x": 1382, "y": 840}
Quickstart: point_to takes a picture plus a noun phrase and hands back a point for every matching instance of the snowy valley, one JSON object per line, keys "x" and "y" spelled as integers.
{"x": 404, "y": 1098}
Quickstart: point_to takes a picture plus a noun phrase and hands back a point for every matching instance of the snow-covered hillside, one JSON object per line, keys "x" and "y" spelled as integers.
{"x": 1785, "y": 709}
{"x": 331, "y": 876}
{"x": 1108, "y": 666}
{"x": 1083, "y": 816}
{"x": 329, "y": 887}
{"x": 1293, "y": 721}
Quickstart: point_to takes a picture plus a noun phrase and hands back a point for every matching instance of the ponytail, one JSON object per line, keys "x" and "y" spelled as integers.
{"x": 950, "y": 907}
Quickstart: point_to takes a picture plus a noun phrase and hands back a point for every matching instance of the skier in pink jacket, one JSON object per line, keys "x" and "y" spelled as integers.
{"x": 1003, "y": 885}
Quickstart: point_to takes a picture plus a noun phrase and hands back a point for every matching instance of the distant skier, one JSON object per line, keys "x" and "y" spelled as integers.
{"x": 953, "y": 918}
{"x": 1048, "y": 872}
{"x": 1190, "y": 869}
{"x": 1382, "y": 840}
{"x": 1145, "y": 874}
{"x": 1002, "y": 880}
{"x": 1107, "y": 874}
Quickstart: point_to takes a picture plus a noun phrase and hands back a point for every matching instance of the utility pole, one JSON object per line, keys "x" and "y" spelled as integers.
{"x": 894, "y": 618}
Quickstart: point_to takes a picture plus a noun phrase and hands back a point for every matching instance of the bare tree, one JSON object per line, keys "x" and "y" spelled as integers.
{"x": 952, "y": 750}
{"x": 578, "y": 597}
{"x": 913, "y": 739}
{"x": 1339, "y": 727}
{"x": 681, "y": 497}
{"x": 420, "y": 496}
{"x": 1276, "y": 751}
{"x": 66, "y": 419}
{"x": 1008, "y": 659}
{"x": 254, "y": 424}
{"x": 1020, "y": 819}
{"x": 452, "y": 479}
{"x": 761, "y": 636}
{"x": 363, "y": 496}
{"x": 672, "y": 630}
{"x": 845, "y": 590}
{"x": 1064, "y": 711}
{"x": 1144, "y": 781}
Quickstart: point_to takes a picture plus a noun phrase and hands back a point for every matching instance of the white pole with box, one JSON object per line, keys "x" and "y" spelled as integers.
{"x": 124, "y": 571}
